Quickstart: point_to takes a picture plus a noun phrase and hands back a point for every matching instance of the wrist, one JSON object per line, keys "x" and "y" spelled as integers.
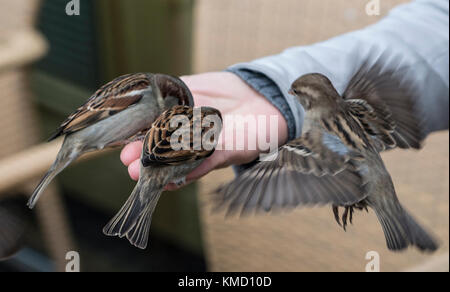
{"x": 263, "y": 106}
{"x": 267, "y": 88}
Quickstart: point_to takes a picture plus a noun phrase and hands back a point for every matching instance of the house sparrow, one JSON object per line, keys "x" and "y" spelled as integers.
{"x": 163, "y": 160}
{"x": 336, "y": 160}
{"x": 119, "y": 112}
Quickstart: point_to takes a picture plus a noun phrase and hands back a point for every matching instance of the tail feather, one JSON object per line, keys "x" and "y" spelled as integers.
{"x": 420, "y": 237}
{"x": 64, "y": 158}
{"x": 396, "y": 238}
{"x": 138, "y": 234}
{"x": 48, "y": 177}
{"x": 134, "y": 218}
{"x": 401, "y": 230}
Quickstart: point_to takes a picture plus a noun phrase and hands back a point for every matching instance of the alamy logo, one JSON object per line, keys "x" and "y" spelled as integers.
{"x": 239, "y": 133}
{"x": 73, "y": 262}
{"x": 373, "y": 8}
{"x": 73, "y": 8}
{"x": 374, "y": 261}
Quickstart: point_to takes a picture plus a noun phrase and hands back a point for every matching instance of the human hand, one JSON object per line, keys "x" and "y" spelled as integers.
{"x": 232, "y": 96}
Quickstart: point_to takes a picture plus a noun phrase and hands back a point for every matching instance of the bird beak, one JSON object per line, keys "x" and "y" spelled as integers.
{"x": 291, "y": 92}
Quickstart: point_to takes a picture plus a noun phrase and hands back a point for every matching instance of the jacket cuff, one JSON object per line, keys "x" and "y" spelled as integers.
{"x": 266, "y": 87}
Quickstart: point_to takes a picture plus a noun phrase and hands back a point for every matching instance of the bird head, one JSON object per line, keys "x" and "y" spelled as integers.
{"x": 314, "y": 91}
{"x": 173, "y": 90}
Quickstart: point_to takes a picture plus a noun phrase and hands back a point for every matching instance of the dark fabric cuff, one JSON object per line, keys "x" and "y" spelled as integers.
{"x": 265, "y": 86}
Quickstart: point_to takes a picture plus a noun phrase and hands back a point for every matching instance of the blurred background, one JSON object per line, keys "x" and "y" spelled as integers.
{"x": 50, "y": 63}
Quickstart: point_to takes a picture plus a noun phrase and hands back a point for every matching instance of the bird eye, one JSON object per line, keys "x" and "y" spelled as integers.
{"x": 293, "y": 91}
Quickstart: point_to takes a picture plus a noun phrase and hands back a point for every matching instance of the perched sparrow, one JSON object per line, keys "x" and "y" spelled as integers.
{"x": 336, "y": 161}
{"x": 163, "y": 160}
{"x": 118, "y": 112}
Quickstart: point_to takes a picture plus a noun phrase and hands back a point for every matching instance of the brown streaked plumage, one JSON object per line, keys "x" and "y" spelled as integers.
{"x": 157, "y": 148}
{"x": 393, "y": 110}
{"x": 336, "y": 161}
{"x": 161, "y": 164}
{"x": 109, "y": 99}
{"x": 115, "y": 114}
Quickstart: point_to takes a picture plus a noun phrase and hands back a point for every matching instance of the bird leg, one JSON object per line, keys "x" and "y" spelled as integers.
{"x": 351, "y": 215}
{"x": 349, "y": 211}
{"x": 180, "y": 182}
{"x": 336, "y": 214}
{"x": 344, "y": 218}
{"x": 137, "y": 137}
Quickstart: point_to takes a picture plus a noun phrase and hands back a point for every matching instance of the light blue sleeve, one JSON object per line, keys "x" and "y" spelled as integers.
{"x": 417, "y": 31}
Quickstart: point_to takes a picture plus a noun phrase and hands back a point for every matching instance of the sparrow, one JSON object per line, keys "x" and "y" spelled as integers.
{"x": 163, "y": 160}
{"x": 117, "y": 113}
{"x": 336, "y": 160}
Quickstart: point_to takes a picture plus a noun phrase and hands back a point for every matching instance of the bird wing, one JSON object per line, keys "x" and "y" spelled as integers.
{"x": 111, "y": 98}
{"x": 158, "y": 150}
{"x": 315, "y": 169}
{"x": 376, "y": 125}
{"x": 393, "y": 115}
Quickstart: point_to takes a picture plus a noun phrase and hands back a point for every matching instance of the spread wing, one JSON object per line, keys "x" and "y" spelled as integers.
{"x": 391, "y": 111}
{"x": 378, "y": 126}
{"x": 111, "y": 98}
{"x": 157, "y": 149}
{"x": 315, "y": 169}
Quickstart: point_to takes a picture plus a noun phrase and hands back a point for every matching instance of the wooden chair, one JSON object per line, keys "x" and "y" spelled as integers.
{"x": 21, "y": 161}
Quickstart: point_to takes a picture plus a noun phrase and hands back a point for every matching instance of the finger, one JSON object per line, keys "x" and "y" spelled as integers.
{"x": 203, "y": 169}
{"x": 133, "y": 169}
{"x": 219, "y": 159}
{"x": 131, "y": 152}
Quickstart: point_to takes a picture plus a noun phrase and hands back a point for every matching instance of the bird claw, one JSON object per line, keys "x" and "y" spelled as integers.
{"x": 351, "y": 215}
{"x": 347, "y": 216}
{"x": 344, "y": 218}
{"x": 336, "y": 215}
{"x": 137, "y": 137}
{"x": 180, "y": 182}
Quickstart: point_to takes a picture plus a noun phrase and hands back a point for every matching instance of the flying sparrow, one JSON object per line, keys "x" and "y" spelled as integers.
{"x": 336, "y": 160}
{"x": 119, "y": 112}
{"x": 169, "y": 153}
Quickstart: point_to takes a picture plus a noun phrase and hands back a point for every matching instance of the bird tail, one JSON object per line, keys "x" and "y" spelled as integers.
{"x": 64, "y": 158}
{"x": 134, "y": 218}
{"x": 401, "y": 229}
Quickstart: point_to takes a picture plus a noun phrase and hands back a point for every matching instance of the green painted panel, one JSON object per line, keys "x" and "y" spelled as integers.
{"x": 73, "y": 43}
{"x": 142, "y": 35}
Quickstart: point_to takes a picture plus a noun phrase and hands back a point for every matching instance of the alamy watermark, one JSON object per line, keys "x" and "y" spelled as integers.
{"x": 235, "y": 133}
{"x": 373, "y": 8}
{"x": 373, "y": 264}
{"x": 73, "y": 8}
{"x": 73, "y": 262}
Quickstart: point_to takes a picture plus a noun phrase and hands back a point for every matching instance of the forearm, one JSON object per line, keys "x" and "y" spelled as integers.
{"x": 418, "y": 32}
